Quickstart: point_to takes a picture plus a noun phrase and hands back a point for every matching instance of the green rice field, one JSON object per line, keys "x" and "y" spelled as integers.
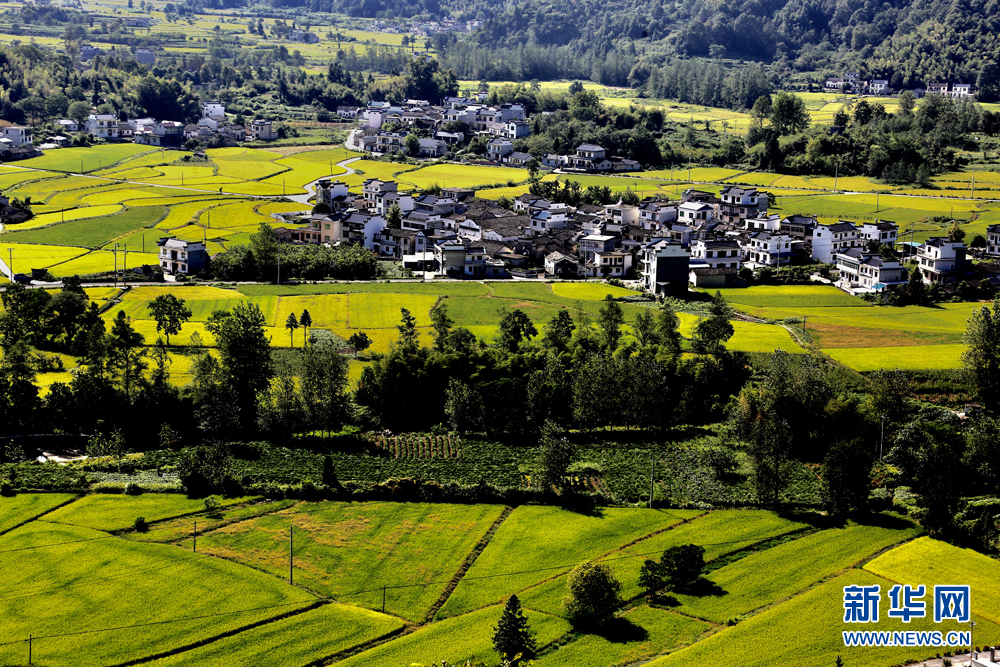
{"x": 71, "y": 579}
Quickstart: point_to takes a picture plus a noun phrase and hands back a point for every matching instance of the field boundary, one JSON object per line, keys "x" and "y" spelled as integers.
{"x": 221, "y": 525}
{"x": 469, "y": 561}
{"x": 39, "y": 516}
{"x": 223, "y": 635}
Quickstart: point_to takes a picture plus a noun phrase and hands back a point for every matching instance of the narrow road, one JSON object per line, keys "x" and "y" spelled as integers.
{"x": 311, "y": 187}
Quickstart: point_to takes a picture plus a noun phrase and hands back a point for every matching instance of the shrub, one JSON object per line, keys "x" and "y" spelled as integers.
{"x": 594, "y": 594}
{"x": 140, "y": 525}
{"x": 6, "y": 490}
{"x": 133, "y": 489}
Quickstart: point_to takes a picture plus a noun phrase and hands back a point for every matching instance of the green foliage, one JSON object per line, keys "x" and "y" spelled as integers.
{"x": 845, "y": 475}
{"x": 512, "y": 638}
{"x": 554, "y": 458}
{"x": 678, "y": 567}
{"x": 594, "y": 594}
{"x": 981, "y": 358}
{"x": 170, "y": 314}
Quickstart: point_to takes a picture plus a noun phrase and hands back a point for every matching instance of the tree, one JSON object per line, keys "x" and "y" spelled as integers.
{"x": 360, "y": 341}
{"x": 554, "y": 457}
{"x": 610, "y": 319}
{"x": 845, "y": 476}
{"x": 394, "y": 217}
{"x": 716, "y": 329}
{"x": 981, "y": 359}
{"x": 907, "y": 101}
{"x": 407, "y": 330}
{"x": 512, "y": 639}
{"x": 79, "y": 111}
{"x": 594, "y": 594}
{"x": 515, "y": 326}
{"x": 788, "y": 113}
{"x": 955, "y": 233}
{"x": 125, "y": 353}
{"x": 532, "y": 166}
{"x": 668, "y": 325}
{"x": 323, "y": 379}
{"x": 264, "y": 247}
{"x": 292, "y": 323}
{"x": 559, "y": 330}
{"x": 412, "y": 144}
{"x": 245, "y": 356}
{"x": 170, "y": 314}
{"x": 305, "y": 321}
{"x": 441, "y": 324}
{"x": 678, "y": 567}
{"x": 645, "y": 328}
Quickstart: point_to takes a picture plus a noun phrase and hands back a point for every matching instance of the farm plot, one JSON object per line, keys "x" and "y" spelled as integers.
{"x": 462, "y": 176}
{"x": 46, "y": 219}
{"x": 637, "y": 635}
{"x": 455, "y": 640}
{"x": 806, "y": 630}
{"x": 558, "y": 540}
{"x": 414, "y": 287}
{"x": 767, "y": 577}
{"x": 101, "y": 261}
{"x": 301, "y": 172}
{"x": 180, "y": 530}
{"x": 112, "y": 512}
{"x": 26, "y": 256}
{"x": 932, "y": 562}
{"x": 9, "y": 176}
{"x": 718, "y": 532}
{"x": 23, "y": 507}
{"x": 707, "y": 174}
{"x": 351, "y": 551}
{"x": 91, "y": 232}
{"x": 77, "y": 593}
{"x": 305, "y": 638}
{"x": 589, "y": 291}
{"x": 750, "y": 337}
{"x": 376, "y": 169}
{"x": 906, "y": 358}
{"x": 85, "y": 160}
{"x": 789, "y": 296}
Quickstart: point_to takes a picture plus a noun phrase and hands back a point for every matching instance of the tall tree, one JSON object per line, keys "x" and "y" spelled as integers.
{"x": 981, "y": 358}
{"x": 359, "y": 341}
{"x": 559, "y": 330}
{"x": 306, "y": 321}
{"x": 594, "y": 594}
{"x": 716, "y": 329}
{"x": 407, "y": 330}
{"x": 292, "y": 323}
{"x": 645, "y": 328}
{"x": 610, "y": 319}
{"x": 515, "y": 326}
{"x": 394, "y": 217}
{"x": 245, "y": 355}
{"x": 126, "y": 354}
{"x": 441, "y": 324}
{"x": 170, "y": 314}
{"x": 512, "y": 638}
{"x": 323, "y": 377}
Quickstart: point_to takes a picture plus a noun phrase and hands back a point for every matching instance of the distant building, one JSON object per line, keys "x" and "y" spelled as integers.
{"x": 103, "y": 126}
{"x": 831, "y": 240}
{"x": 262, "y": 130}
{"x": 181, "y": 257}
{"x": 68, "y": 125}
{"x": 17, "y": 135}
{"x": 993, "y": 240}
{"x": 210, "y": 109}
{"x": 145, "y": 57}
{"x": 665, "y": 267}
{"x": 941, "y": 260}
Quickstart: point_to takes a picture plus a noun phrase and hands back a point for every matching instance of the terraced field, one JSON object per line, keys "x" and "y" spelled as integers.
{"x": 779, "y": 581}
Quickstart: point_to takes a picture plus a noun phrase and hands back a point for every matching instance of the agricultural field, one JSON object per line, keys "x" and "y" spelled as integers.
{"x": 92, "y": 232}
{"x": 85, "y": 160}
{"x": 462, "y": 175}
{"x": 779, "y": 577}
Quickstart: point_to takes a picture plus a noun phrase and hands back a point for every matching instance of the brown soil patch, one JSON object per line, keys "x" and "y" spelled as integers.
{"x": 841, "y": 336}
{"x": 292, "y": 150}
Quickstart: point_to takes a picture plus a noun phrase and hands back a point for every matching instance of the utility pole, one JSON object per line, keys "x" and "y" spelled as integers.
{"x": 972, "y": 625}
{"x": 279, "y": 269}
{"x": 836, "y": 173}
{"x": 383, "y": 598}
{"x": 29, "y": 650}
{"x": 291, "y": 551}
{"x": 115, "y": 272}
{"x": 10, "y": 263}
{"x": 125, "y": 267}
{"x": 973, "y": 183}
{"x": 652, "y": 458}
{"x": 194, "y": 545}
{"x": 881, "y": 437}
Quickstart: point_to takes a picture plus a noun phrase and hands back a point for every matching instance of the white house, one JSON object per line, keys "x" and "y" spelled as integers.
{"x": 262, "y": 130}
{"x": 665, "y": 267}
{"x": 879, "y": 87}
{"x": 103, "y": 126}
{"x": 883, "y": 231}
{"x": 498, "y": 148}
{"x": 17, "y": 135}
{"x": 993, "y": 240}
{"x": 695, "y": 213}
{"x": 68, "y": 125}
{"x": 738, "y": 203}
{"x": 830, "y": 240}
{"x": 210, "y": 109}
{"x": 940, "y": 260}
{"x": 767, "y": 249}
{"x": 723, "y": 253}
{"x": 867, "y": 272}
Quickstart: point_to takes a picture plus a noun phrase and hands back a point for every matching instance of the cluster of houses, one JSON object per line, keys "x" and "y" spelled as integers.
{"x": 702, "y": 239}
{"x": 502, "y": 124}
{"x": 143, "y": 56}
{"x": 852, "y": 81}
{"x": 423, "y": 28}
{"x": 212, "y": 128}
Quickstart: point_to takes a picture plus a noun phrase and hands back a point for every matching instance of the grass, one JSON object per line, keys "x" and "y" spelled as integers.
{"x": 180, "y": 530}
{"x": 769, "y": 576}
{"x": 415, "y": 287}
{"x": 462, "y": 176}
{"x": 767, "y": 338}
{"x": 341, "y": 549}
{"x": 113, "y": 512}
{"x": 589, "y": 291}
{"x": 637, "y": 635}
{"x": 88, "y": 584}
{"x": 932, "y": 562}
{"x": 92, "y": 232}
{"x": 550, "y": 541}
{"x": 46, "y": 219}
{"x": 454, "y": 640}
{"x": 93, "y": 158}
{"x": 806, "y": 630}
{"x": 24, "y": 507}
{"x": 290, "y": 642}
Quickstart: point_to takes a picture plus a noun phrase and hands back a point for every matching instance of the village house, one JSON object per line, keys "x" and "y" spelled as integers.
{"x": 562, "y": 266}
{"x": 664, "y": 267}
{"x": 882, "y": 231}
{"x": 798, "y": 226}
{"x": 261, "y": 130}
{"x": 165, "y": 134}
{"x": 767, "y": 249}
{"x": 738, "y": 203}
{"x": 993, "y": 240}
{"x": 830, "y": 240}
{"x": 181, "y": 257}
{"x": 868, "y": 272}
{"x": 695, "y": 213}
{"x": 941, "y": 260}
{"x": 103, "y": 126}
